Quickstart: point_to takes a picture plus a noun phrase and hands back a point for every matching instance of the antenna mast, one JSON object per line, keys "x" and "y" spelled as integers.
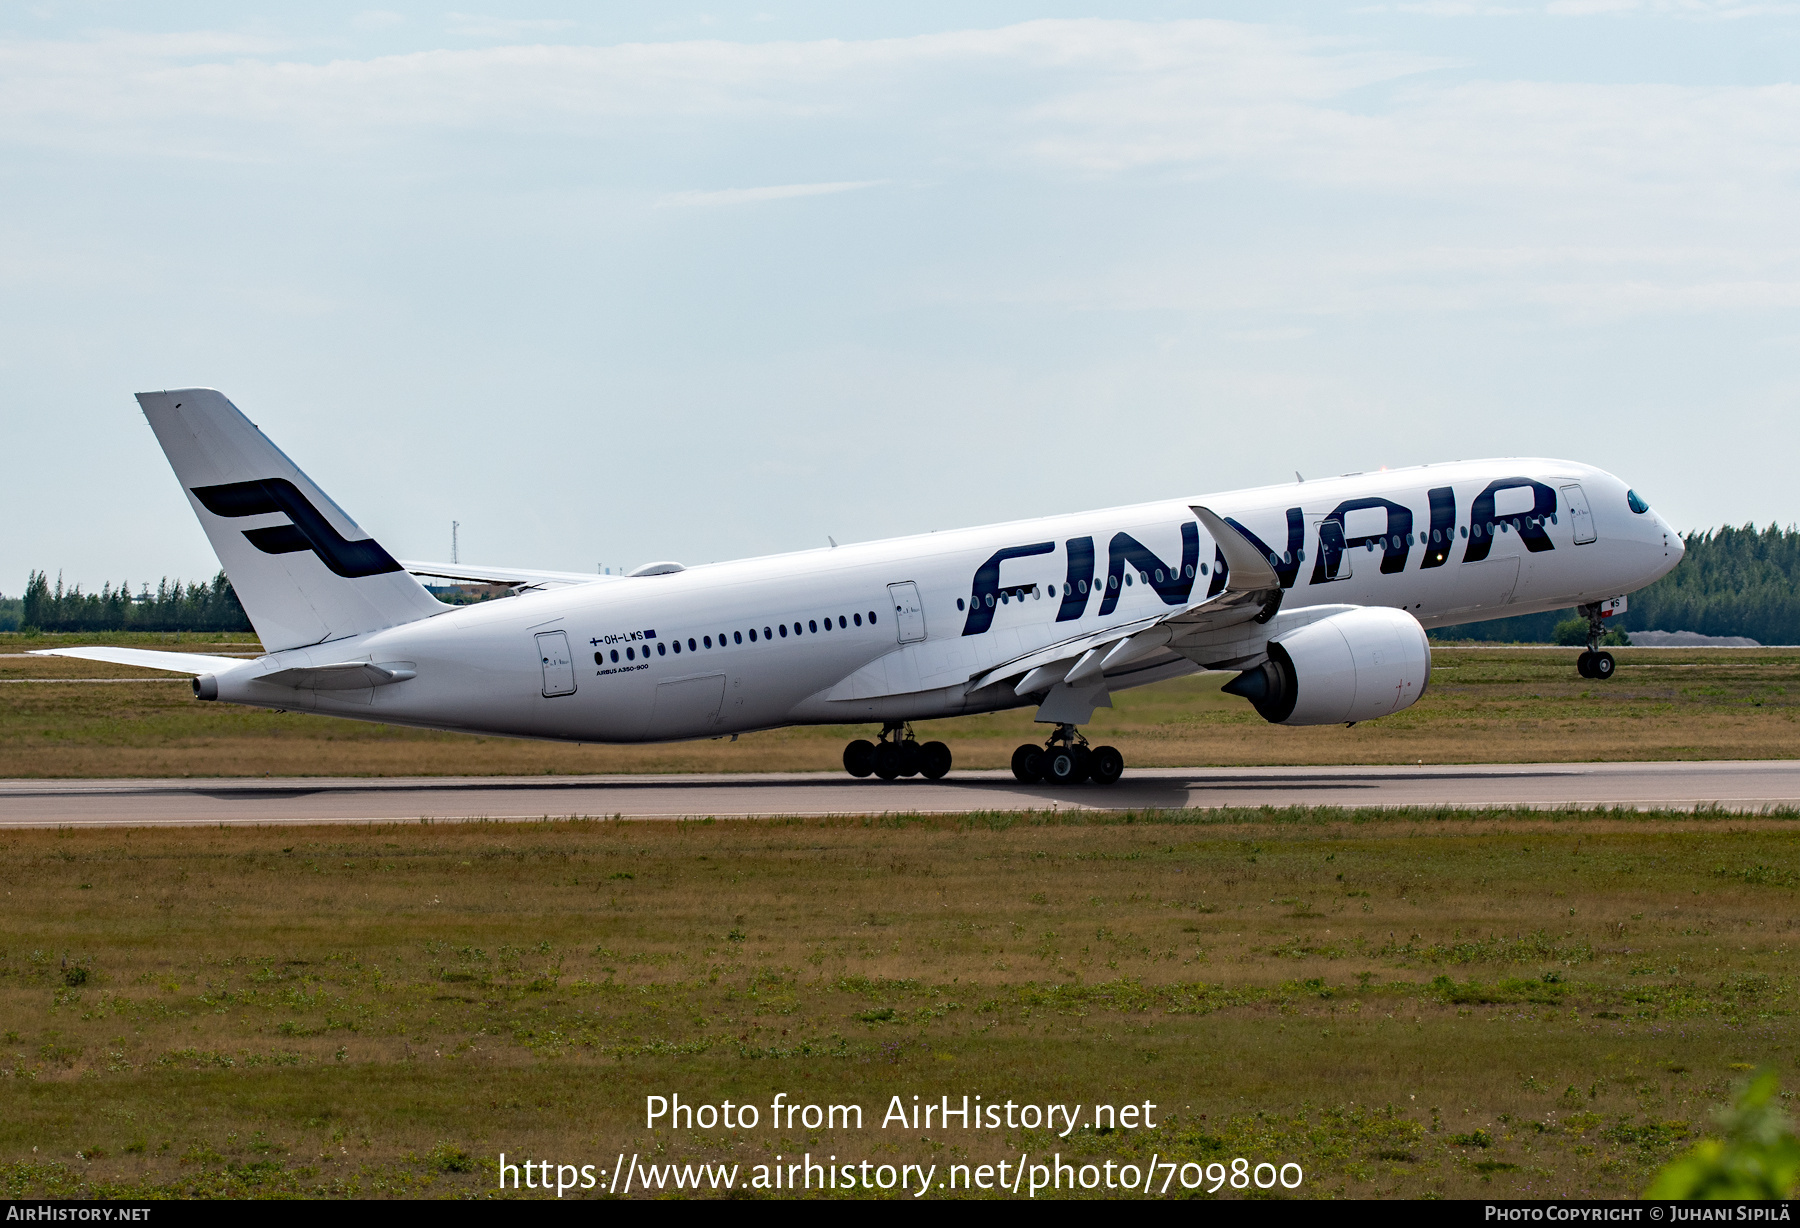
{"x": 454, "y": 526}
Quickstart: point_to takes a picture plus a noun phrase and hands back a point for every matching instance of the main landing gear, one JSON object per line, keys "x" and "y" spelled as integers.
{"x": 1066, "y": 759}
{"x": 897, "y": 754}
{"x": 1593, "y": 663}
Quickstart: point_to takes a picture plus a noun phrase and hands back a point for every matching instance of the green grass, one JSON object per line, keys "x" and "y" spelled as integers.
{"x": 1413, "y": 1004}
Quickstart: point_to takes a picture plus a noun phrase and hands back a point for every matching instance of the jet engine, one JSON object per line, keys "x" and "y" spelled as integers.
{"x": 1354, "y": 666}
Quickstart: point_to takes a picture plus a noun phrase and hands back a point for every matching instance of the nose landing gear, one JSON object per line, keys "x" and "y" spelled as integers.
{"x": 1593, "y": 663}
{"x": 1066, "y": 759}
{"x": 897, "y": 754}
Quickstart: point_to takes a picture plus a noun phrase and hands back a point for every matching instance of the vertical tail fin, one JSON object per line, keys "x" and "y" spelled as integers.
{"x": 303, "y": 570}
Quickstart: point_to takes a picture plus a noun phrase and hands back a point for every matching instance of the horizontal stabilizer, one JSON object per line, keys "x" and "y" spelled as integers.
{"x": 343, "y": 675}
{"x": 175, "y": 662}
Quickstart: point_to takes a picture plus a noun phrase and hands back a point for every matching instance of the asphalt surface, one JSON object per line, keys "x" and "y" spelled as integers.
{"x": 1739, "y": 786}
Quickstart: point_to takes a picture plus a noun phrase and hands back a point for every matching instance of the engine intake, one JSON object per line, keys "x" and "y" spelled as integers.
{"x": 1354, "y": 666}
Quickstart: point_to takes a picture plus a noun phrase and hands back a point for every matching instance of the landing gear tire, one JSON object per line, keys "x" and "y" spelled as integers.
{"x": 934, "y": 761}
{"x": 1105, "y": 765}
{"x": 1593, "y": 663}
{"x": 909, "y": 758}
{"x": 887, "y": 760}
{"x": 859, "y": 758}
{"x": 1028, "y": 764}
{"x": 1065, "y": 765}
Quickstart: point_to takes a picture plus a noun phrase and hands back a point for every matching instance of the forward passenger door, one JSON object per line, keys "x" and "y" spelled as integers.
{"x": 1580, "y": 515}
{"x": 1334, "y": 556}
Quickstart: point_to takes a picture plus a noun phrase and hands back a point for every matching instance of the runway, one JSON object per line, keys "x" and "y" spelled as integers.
{"x": 1737, "y": 786}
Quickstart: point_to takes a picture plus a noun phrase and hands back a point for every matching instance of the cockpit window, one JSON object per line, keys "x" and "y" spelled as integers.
{"x": 1636, "y": 502}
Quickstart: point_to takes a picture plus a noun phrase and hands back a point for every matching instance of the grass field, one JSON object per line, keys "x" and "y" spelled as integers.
{"x": 1430, "y": 1004}
{"x": 1483, "y": 705}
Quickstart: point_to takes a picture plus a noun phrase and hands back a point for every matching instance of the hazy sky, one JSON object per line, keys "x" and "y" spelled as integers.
{"x": 701, "y": 283}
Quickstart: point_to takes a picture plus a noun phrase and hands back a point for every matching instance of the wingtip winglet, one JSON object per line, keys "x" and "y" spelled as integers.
{"x": 1246, "y": 567}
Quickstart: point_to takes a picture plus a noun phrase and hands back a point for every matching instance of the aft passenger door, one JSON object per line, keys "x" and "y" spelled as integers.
{"x": 909, "y": 611}
{"x": 558, "y": 663}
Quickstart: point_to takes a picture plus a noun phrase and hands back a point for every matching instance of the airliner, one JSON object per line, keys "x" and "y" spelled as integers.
{"x": 1316, "y": 596}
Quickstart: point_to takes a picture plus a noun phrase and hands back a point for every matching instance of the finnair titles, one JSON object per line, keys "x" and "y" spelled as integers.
{"x": 1317, "y": 596}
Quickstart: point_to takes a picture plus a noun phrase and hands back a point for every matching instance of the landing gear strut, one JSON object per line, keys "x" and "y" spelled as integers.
{"x": 1066, "y": 759}
{"x": 897, "y": 753}
{"x": 1593, "y": 663}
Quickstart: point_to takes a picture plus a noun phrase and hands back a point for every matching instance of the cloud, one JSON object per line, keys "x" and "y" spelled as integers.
{"x": 120, "y": 82}
{"x": 741, "y": 196}
{"x": 1673, "y": 8}
{"x": 1452, "y": 8}
{"x": 1703, "y": 9}
{"x": 505, "y": 29}
{"x": 1096, "y": 98}
{"x": 376, "y": 19}
{"x": 1472, "y": 164}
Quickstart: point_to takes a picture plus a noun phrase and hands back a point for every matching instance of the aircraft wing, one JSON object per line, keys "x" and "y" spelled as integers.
{"x": 1252, "y": 594}
{"x": 517, "y": 577}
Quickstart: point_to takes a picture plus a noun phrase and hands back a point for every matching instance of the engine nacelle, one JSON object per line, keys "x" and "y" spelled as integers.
{"x": 1353, "y": 666}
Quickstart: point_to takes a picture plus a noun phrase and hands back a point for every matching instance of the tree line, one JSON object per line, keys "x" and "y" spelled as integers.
{"x": 1733, "y": 581}
{"x": 171, "y": 606}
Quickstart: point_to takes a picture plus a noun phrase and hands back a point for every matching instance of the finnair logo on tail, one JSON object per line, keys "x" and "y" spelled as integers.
{"x": 307, "y": 530}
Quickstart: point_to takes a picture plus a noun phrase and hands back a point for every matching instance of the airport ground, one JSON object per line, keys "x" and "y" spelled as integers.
{"x": 1442, "y": 1002}
{"x": 1484, "y": 705}
{"x": 1454, "y": 1003}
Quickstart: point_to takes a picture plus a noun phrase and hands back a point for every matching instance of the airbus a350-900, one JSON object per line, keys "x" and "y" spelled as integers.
{"x": 1317, "y": 595}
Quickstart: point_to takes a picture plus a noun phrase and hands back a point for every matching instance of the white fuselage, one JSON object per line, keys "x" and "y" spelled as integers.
{"x": 730, "y": 647}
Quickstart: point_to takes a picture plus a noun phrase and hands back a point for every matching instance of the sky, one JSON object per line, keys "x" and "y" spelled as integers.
{"x": 613, "y": 283}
